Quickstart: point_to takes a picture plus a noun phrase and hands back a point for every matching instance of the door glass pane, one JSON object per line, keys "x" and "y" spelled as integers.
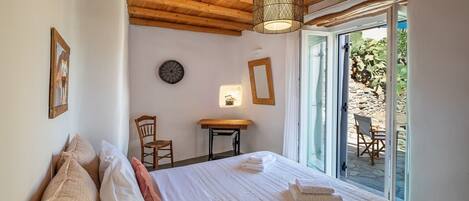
{"x": 363, "y": 131}
{"x": 400, "y": 114}
{"x": 317, "y": 60}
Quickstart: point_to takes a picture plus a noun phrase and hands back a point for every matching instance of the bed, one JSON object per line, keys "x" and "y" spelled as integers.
{"x": 224, "y": 180}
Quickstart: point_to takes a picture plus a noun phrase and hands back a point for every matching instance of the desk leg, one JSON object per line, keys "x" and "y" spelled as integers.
{"x": 238, "y": 151}
{"x": 234, "y": 142}
{"x": 210, "y": 144}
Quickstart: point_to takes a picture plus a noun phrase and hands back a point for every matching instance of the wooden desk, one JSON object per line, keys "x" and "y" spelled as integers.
{"x": 224, "y": 127}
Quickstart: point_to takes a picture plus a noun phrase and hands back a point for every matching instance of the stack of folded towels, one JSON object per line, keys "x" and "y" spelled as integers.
{"x": 313, "y": 190}
{"x": 259, "y": 162}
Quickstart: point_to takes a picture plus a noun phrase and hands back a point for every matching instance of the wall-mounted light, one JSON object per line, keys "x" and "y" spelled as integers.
{"x": 230, "y": 96}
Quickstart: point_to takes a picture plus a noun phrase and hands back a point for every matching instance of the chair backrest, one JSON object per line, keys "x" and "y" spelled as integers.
{"x": 146, "y": 127}
{"x": 363, "y": 124}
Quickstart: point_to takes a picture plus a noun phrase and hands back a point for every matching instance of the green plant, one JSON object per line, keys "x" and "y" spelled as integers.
{"x": 368, "y": 62}
{"x": 402, "y": 63}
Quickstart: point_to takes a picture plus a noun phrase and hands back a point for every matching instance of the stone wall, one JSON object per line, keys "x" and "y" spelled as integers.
{"x": 364, "y": 101}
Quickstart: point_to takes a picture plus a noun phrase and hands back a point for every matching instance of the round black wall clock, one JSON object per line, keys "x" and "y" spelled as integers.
{"x": 171, "y": 72}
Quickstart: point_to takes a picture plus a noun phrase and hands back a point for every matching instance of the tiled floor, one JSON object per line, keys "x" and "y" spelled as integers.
{"x": 362, "y": 172}
{"x": 191, "y": 161}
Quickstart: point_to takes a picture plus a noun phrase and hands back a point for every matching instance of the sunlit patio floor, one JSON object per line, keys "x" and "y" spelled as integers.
{"x": 361, "y": 172}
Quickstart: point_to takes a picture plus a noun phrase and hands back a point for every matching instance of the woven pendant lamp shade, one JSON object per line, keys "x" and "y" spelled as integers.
{"x": 277, "y": 16}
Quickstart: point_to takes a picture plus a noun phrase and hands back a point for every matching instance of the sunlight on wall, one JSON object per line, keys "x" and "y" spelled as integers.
{"x": 230, "y": 96}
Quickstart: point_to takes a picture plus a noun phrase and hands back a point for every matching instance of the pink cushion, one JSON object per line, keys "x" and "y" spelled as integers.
{"x": 145, "y": 181}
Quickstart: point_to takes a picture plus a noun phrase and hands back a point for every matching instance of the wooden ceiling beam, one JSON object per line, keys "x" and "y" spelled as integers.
{"x": 154, "y": 23}
{"x": 358, "y": 16}
{"x": 247, "y": 1}
{"x": 242, "y": 16}
{"x": 306, "y": 2}
{"x": 366, "y": 6}
{"x": 186, "y": 19}
{"x": 311, "y": 2}
{"x": 323, "y": 5}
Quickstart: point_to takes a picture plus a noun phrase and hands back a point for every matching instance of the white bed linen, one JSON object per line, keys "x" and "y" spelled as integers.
{"x": 224, "y": 180}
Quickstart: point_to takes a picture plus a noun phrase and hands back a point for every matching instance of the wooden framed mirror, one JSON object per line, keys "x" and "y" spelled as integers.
{"x": 262, "y": 86}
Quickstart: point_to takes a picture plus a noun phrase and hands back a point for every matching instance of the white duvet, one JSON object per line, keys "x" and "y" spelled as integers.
{"x": 224, "y": 180}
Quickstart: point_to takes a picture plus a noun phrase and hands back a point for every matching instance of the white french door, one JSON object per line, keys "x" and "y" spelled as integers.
{"x": 320, "y": 92}
{"x": 317, "y": 109}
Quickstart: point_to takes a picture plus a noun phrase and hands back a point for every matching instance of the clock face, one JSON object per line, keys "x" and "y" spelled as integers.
{"x": 171, "y": 72}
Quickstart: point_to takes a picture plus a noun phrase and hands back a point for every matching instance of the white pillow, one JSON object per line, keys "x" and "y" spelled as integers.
{"x": 108, "y": 154}
{"x": 118, "y": 182}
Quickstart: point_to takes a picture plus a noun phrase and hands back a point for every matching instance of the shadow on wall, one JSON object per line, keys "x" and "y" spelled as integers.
{"x": 186, "y": 147}
{"x": 247, "y": 138}
{"x": 134, "y": 149}
{"x": 134, "y": 140}
{"x": 51, "y": 171}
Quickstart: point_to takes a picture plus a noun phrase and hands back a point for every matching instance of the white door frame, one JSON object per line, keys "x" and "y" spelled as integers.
{"x": 331, "y": 101}
{"x": 391, "y": 135}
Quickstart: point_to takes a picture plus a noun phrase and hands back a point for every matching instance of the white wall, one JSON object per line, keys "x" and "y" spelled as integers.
{"x": 100, "y": 72}
{"x": 267, "y": 132}
{"x": 96, "y": 32}
{"x": 210, "y": 61}
{"x": 438, "y": 94}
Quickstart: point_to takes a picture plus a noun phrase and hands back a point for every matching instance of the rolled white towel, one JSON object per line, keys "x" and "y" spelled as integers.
{"x": 258, "y": 167}
{"x": 314, "y": 186}
{"x": 260, "y": 158}
{"x": 298, "y": 196}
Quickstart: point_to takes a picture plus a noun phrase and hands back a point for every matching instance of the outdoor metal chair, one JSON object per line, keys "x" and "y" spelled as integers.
{"x": 376, "y": 143}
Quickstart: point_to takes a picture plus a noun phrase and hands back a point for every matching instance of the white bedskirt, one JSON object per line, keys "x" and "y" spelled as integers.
{"x": 224, "y": 180}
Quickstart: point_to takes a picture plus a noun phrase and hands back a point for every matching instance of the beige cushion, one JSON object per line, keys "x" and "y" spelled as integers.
{"x": 82, "y": 151}
{"x": 72, "y": 183}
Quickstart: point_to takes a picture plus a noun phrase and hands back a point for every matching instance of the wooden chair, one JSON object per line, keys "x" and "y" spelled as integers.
{"x": 364, "y": 128}
{"x": 146, "y": 127}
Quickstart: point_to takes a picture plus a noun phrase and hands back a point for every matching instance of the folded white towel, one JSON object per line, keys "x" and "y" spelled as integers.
{"x": 258, "y": 167}
{"x": 298, "y": 196}
{"x": 314, "y": 186}
{"x": 260, "y": 158}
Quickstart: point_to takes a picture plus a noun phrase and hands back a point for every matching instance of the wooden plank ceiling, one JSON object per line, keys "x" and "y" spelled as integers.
{"x": 231, "y": 17}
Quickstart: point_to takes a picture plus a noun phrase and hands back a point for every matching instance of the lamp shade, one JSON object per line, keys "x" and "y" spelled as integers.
{"x": 277, "y": 16}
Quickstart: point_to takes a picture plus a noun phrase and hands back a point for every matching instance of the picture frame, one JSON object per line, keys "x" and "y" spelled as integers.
{"x": 262, "y": 86}
{"x": 59, "y": 75}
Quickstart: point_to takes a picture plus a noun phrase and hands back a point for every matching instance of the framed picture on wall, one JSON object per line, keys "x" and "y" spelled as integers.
{"x": 59, "y": 70}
